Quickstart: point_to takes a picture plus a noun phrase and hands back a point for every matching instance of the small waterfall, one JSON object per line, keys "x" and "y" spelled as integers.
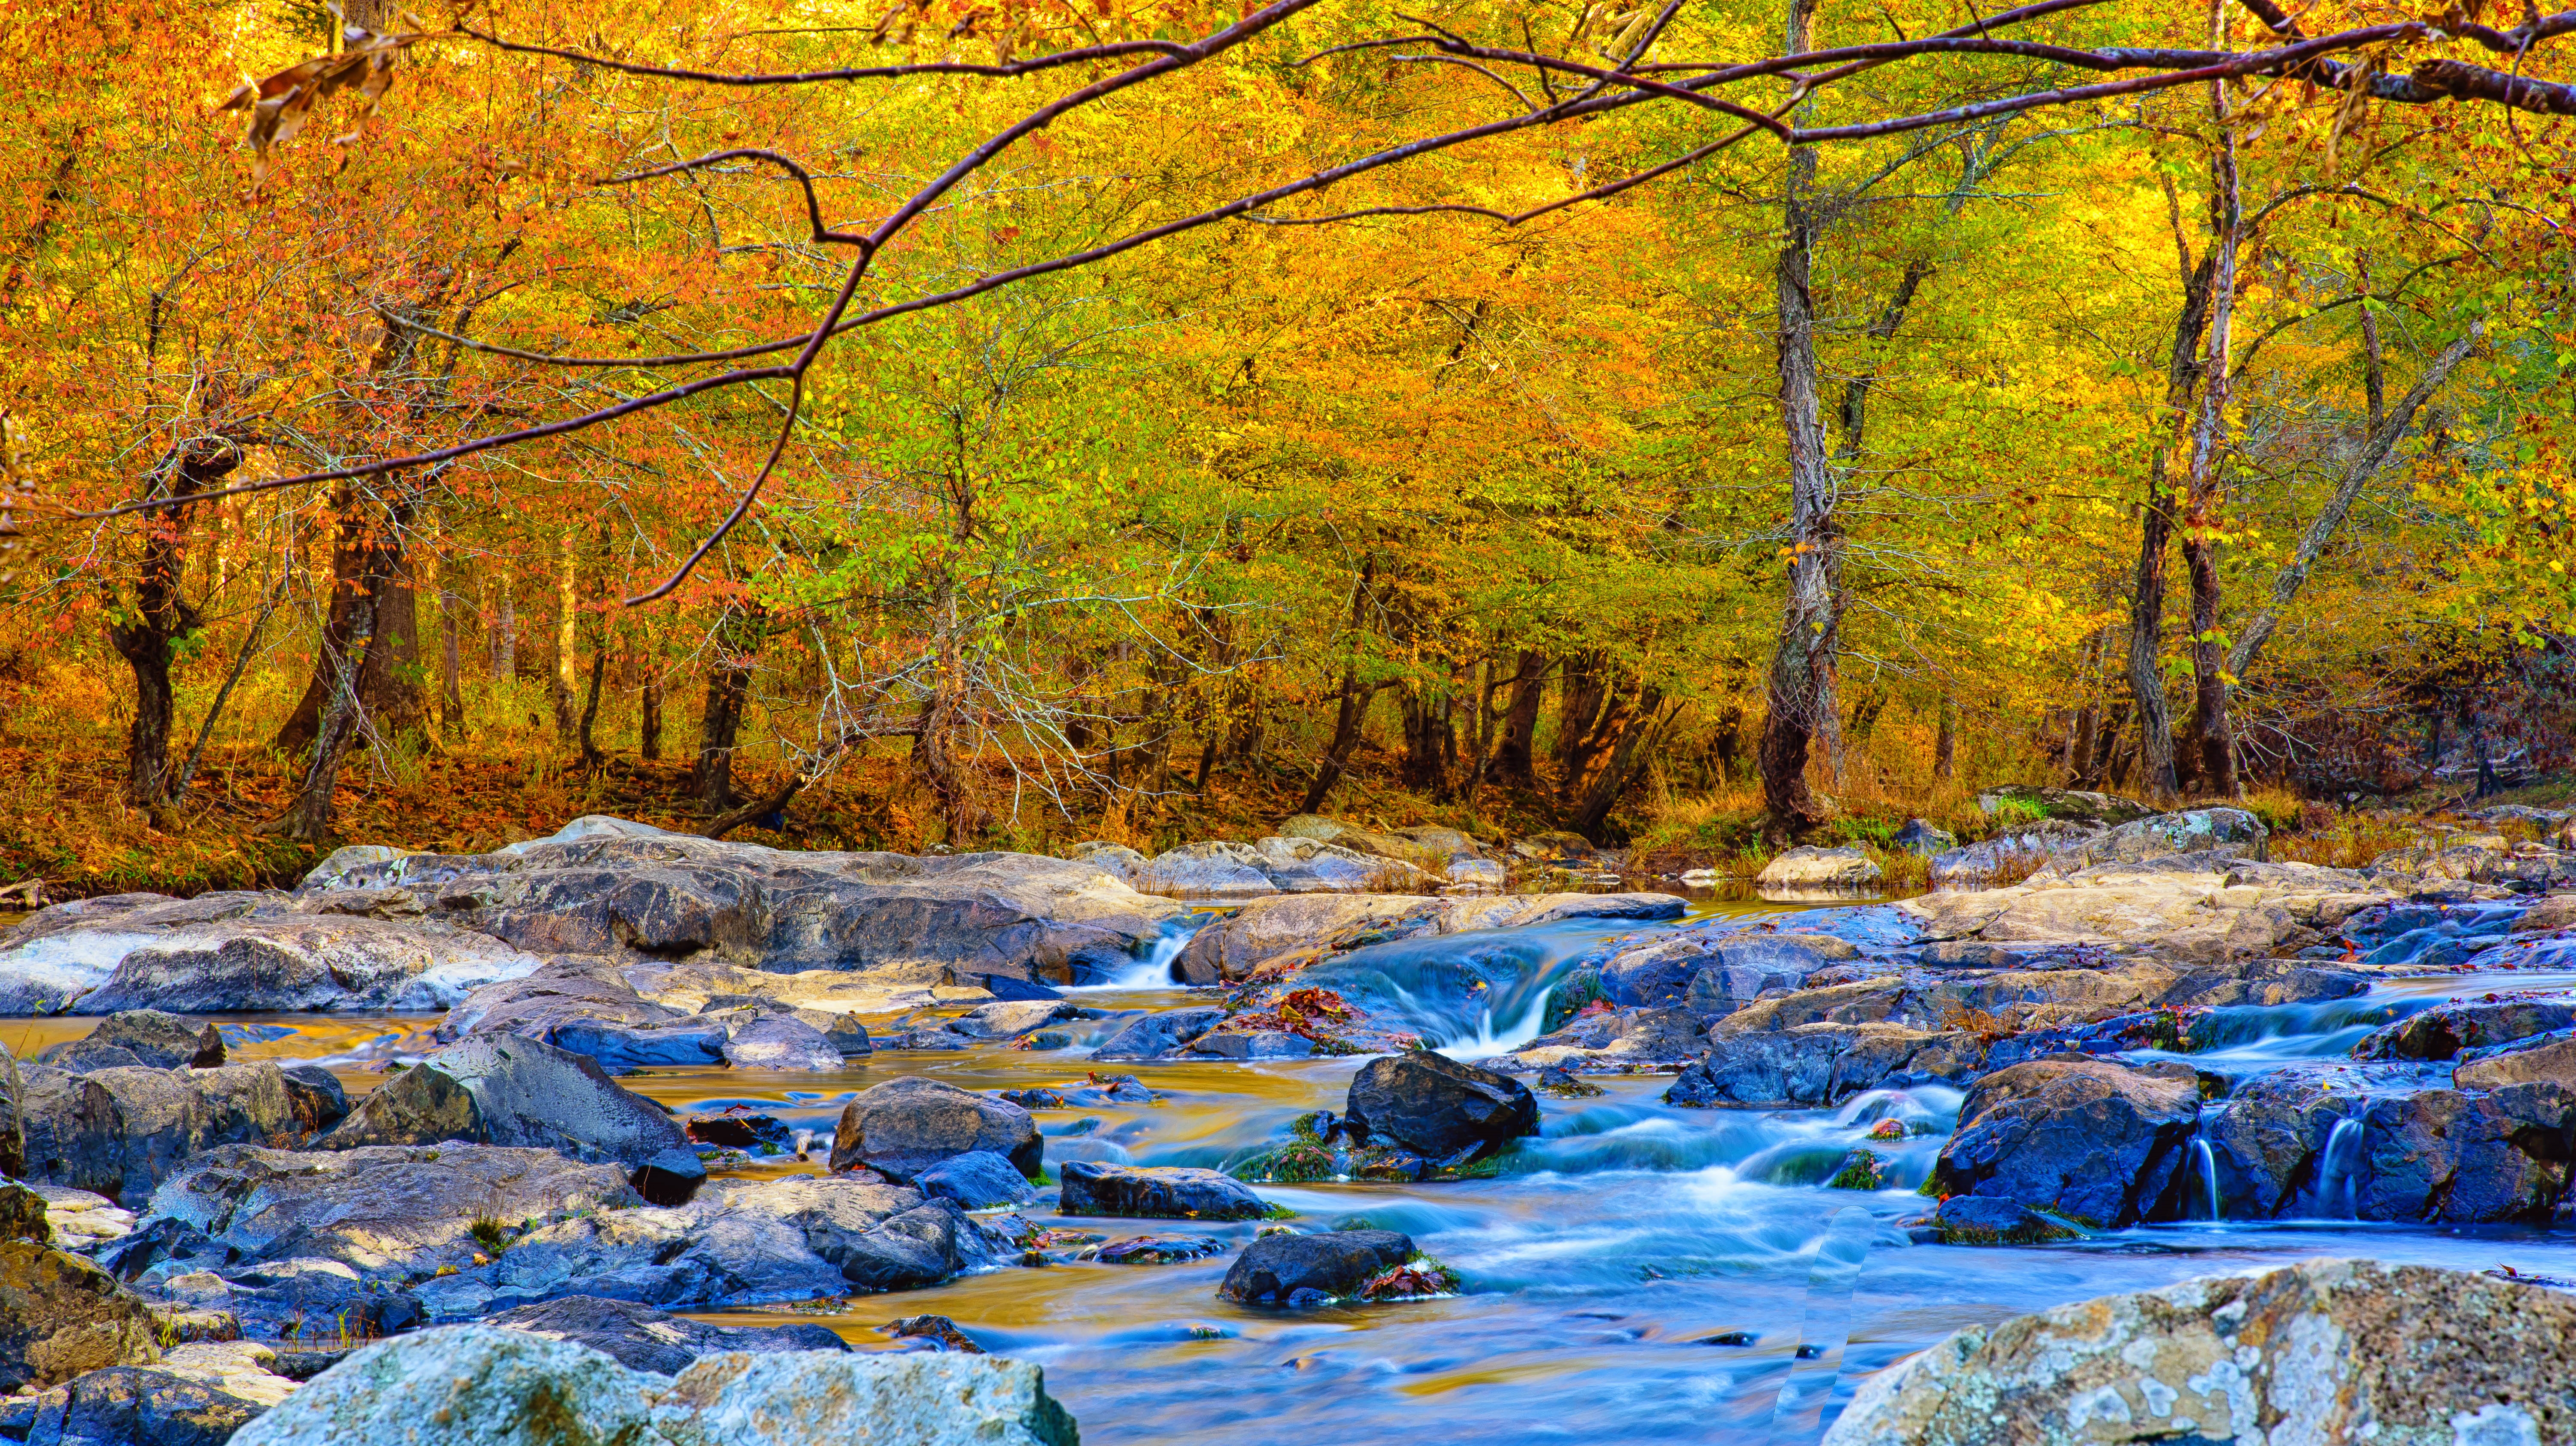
{"x": 2339, "y": 1174}
{"x": 1154, "y": 970}
{"x": 2207, "y": 1159}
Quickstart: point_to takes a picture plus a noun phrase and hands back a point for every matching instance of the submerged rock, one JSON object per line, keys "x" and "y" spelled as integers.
{"x": 1148, "y": 1192}
{"x": 1312, "y": 1269}
{"x": 2094, "y": 1141}
{"x": 641, "y": 1338}
{"x": 2325, "y": 1350}
{"x": 1312, "y": 927}
{"x": 1159, "y": 1036}
{"x": 1982, "y": 1220}
{"x": 500, "y": 1090}
{"x": 904, "y": 1127}
{"x": 1444, "y": 1109}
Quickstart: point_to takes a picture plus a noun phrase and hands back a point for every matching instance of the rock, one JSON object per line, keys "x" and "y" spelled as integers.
{"x": 121, "y": 1130}
{"x": 623, "y": 1049}
{"x": 1256, "y": 1044}
{"x": 1622, "y": 1038}
{"x": 913, "y": 1398}
{"x": 1143, "y": 1192}
{"x": 1115, "y": 859}
{"x": 2018, "y": 851}
{"x": 1205, "y": 871}
{"x": 2230, "y": 832}
{"x": 542, "y": 1002}
{"x": 1711, "y": 977}
{"x": 141, "y": 1037}
{"x": 1312, "y": 1269}
{"x": 22, "y": 1214}
{"x": 1011, "y": 1018}
{"x": 65, "y": 1217}
{"x": 1837, "y": 870}
{"x": 2320, "y": 1351}
{"x": 137, "y": 1406}
{"x": 238, "y": 953}
{"x": 641, "y": 1338}
{"x": 514, "y": 1092}
{"x": 1154, "y": 1250}
{"x": 2551, "y": 914}
{"x": 1984, "y": 1220}
{"x": 2540, "y": 1059}
{"x": 403, "y": 1210}
{"x": 316, "y": 1096}
{"x": 1919, "y": 837}
{"x": 2094, "y": 1141}
{"x": 605, "y": 886}
{"x": 1823, "y": 1064}
{"x": 1159, "y": 1036}
{"x": 2096, "y": 810}
{"x": 1554, "y": 848}
{"x": 2444, "y": 1030}
{"x": 482, "y": 1384}
{"x": 2181, "y": 907}
{"x": 60, "y": 1315}
{"x": 1300, "y": 865}
{"x": 978, "y": 1180}
{"x": 670, "y": 1177}
{"x": 780, "y": 1041}
{"x": 2476, "y": 1154}
{"x": 1441, "y": 1108}
{"x": 1318, "y": 925}
{"x": 904, "y": 1127}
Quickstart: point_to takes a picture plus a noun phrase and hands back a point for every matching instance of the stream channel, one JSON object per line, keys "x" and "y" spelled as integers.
{"x": 1638, "y": 1272}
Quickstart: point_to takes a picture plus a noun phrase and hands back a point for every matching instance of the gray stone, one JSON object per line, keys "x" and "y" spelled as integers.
{"x": 516, "y": 1092}
{"x": 136, "y": 1406}
{"x": 1984, "y": 1220}
{"x": 1258, "y": 1044}
{"x": 623, "y": 1049}
{"x": 316, "y": 1096}
{"x": 1443, "y": 1109}
{"x": 903, "y": 1127}
{"x": 145, "y": 1037}
{"x": 1332, "y": 1265}
{"x": 2473, "y": 1155}
{"x": 60, "y": 1315}
{"x": 1011, "y": 1018}
{"x": 913, "y": 1398}
{"x": 670, "y": 1178}
{"x": 120, "y": 1131}
{"x": 1147, "y": 1192}
{"x": 1214, "y": 870}
{"x": 641, "y": 1338}
{"x": 2540, "y": 1059}
{"x": 2224, "y": 832}
{"x": 484, "y": 1385}
{"x": 780, "y": 1041}
{"x": 2094, "y": 1141}
{"x": 1832, "y": 870}
{"x": 2349, "y": 1350}
{"x": 978, "y": 1180}
{"x": 1824, "y": 1064}
{"x": 2444, "y": 1030}
{"x": 1922, "y": 838}
{"x": 1159, "y": 1036}
{"x": 2070, "y": 805}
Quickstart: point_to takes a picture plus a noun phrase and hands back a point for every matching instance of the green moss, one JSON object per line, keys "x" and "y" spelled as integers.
{"x": 1300, "y": 1162}
{"x": 1860, "y": 1171}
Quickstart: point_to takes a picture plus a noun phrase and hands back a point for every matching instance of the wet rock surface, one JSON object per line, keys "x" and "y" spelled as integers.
{"x": 1437, "y": 1107}
{"x": 2329, "y": 1350}
{"x": 641, "y": 1338}
{"x": 1156, "y": 1193}
{"x": 1298, "y": 1270}
{"x": 2094, "y": 1141}
{"x": 514, "y": 1092}
{"x": 905, "y": 1127}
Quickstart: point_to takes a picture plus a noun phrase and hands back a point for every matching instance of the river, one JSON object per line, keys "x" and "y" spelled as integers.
{"x": 1639, "y": 1272}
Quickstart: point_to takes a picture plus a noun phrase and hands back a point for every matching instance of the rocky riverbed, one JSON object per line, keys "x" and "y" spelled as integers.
{"x": 677, "y": 1126}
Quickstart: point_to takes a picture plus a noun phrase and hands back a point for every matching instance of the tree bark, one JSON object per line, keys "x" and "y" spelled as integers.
{"x": 1800, "y": 687}
{"x": 351, "y": 567}
{"x": 559, "y": 690}
{"x": 1512, "y": 759}
{"x": 738, "y": 640}
{"x": 146, "y": 635}
{"x": 2211, "y": 736}
{"x": 2155, "y": 532}
{"x": 1355, "y": 698}
{"x": 1644, "y": 722}
{"x": 648, "y": 728}
{"x": 505, "y": 627}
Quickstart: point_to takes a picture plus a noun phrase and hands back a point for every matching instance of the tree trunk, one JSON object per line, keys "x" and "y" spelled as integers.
{"x": 559, "y": 689}
{"x": 1425, "y": 768}
{"x": 1800, "y": 687}
{"x": 351, "y": 566}
{"x": 648, "y": 727}
{"x": 738, "y": 639}
{"x": 2155, "y": 531}
{"x": 591, "y": 757}
{"x": 309, "y": 818}
{"x": 160, "y": 616}
{"x": 1642, "y": 723}
{"x": 1578, "y": 710}
{"x": 1346, "y": 739}
{"x": 1512, "y": 759}
{"x": 389, "y": 683}
{"x": 2210, "y": 733}
{"x": 451, "y": 693}
{"x": 505, "y": 628}
{"x": 935, "y": 761}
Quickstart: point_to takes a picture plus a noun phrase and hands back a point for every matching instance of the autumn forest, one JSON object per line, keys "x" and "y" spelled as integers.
{"x": 941, "y": 422}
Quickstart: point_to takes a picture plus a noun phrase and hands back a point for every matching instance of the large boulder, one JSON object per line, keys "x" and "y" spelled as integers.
{"x": 1313, "y": 926}
{"x": 389, "y": 1210}
{"x": 499, "y": 1090}
{"x": 2539, "y": 1059}
{"x": 2097, "y": 1142}
{"x": 779, "y": 1040}
{"x": 1151, "y": 1192}
{"x": 61, "y": 1315}
{"x": 1823, "y": 1064}
{"x": 644, "y": 1339}
{"x": 1312, "y": 1269}
{"x": 905, "y": 1126}
{"x": 2200, "y": 908}
{"x": 2320, "y": 1351}
{"x": 605, "y": 886}
{"x": 1712, "y": 976}
{"x": 146, "y": 1037}
{"x": 2303, "y": 1142}
{"x": 915, "y": 1399}
{"x": 2224, "y": 832}
{"x": 482, "y": 1384}
{"x": 561, "y": 992}
{"x": 978, "y": 1180}
{"x": 1443, "y": 1109}
{"x": 2022, "y": 802}
{"x": 2444, "y": 1030}
{"x": 1823, "y": 871}
{"x": 137, "y": 1406}
{"x": 121, "y": 1130}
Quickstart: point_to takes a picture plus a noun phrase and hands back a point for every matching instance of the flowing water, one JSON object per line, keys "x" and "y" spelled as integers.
{"x": 1639, "y": 1272}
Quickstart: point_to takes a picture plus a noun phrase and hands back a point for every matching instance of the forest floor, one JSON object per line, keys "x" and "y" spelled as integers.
{"x": 63, "y": 819}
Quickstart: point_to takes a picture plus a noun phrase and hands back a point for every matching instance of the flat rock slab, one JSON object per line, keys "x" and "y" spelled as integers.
{"x": 2326, "y": 1350}
{"x": 641, "y": 1338}
{"x": 502, "y": 1090}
